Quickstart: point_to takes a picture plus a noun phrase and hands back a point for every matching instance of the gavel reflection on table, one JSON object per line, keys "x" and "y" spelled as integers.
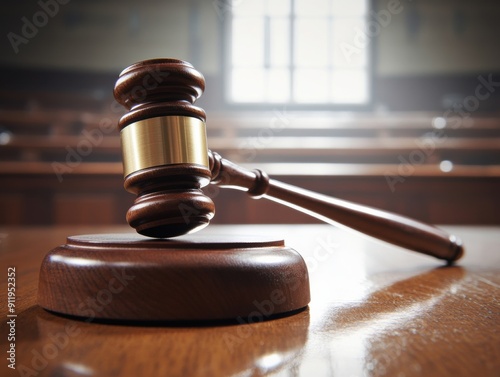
{"x": 166, "y": 164}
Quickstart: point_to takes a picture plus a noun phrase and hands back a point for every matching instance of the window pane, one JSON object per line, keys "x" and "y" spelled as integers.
{"x": 248, "y": 8}
{"x": 349, "y": 7}
{"x": 247, "y": 85}
{"x": 312, "y": 8}
{"x": 278, "y": 7}
{"x": 247, "y": 42}
{"x": 350, "y": 44}
{"x": 350, "y": 86}
{"x": 331, "y": 52}
{"x": 311, "y": 37}
{"x": 279, "y": 85}
{"x": 280, "y": 42}
{"x": 311, "y": 85}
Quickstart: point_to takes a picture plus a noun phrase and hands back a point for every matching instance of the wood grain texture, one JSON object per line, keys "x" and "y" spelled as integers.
{"x": 194, "y": 278}
{"x": 460, "y": 200}
{"x": 386, "y": 226}
{"x": 169, "y": 200}
{"x": 167, "y": 206}
{"x": 376, "y": 310}
{"x": 159, "y": 87}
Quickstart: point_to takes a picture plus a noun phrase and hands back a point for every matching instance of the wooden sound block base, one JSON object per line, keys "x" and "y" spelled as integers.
{"x": 192, "y": 278}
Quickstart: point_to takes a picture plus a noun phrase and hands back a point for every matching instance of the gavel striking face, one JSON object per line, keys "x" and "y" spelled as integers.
{"x": 167, "y": 162}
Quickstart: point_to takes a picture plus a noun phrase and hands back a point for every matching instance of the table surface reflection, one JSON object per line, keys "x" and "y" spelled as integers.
{"x": 375, "y": 310}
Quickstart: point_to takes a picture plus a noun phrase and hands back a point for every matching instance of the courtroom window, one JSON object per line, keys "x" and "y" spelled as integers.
{"x": 299, "y": 52}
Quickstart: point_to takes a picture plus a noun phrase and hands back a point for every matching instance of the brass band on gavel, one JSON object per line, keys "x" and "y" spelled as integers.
{"x": 163, "y": 141}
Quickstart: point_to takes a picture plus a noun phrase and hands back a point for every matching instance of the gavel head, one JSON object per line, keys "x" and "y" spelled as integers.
{"x": 164, "y": 146}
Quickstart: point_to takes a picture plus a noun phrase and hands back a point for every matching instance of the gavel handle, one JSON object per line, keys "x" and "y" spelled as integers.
{"x": 386, "y": 226}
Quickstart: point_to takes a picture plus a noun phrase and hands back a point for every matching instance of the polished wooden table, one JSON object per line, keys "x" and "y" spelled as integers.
{"x": 375, "y": 310}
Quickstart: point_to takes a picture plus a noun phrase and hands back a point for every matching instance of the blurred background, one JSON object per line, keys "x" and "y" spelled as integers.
{"x": 392, "y": 104}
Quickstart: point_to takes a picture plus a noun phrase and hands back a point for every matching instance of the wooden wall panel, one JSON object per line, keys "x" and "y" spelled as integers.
{"x": 82, "y": 208}
{"x": 11, "y": 208}
{"x": 438, "y": 200}
{"x": 99, "y": 199}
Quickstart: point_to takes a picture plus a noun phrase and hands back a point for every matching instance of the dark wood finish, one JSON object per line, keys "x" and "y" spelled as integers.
{"x": 169, "y": 200}
{"x": 465, "y": 198}
{"x": 389, "y": 227}
{"x": 375, "y": 310}
{"x": 431, "y": 199}
{"x": 159, "y": 87}
{"x": 47, "y": 112}
{"x": 169, "y": 207}
{"x": 195, "y": 278}
{"x": 434, "y": 92}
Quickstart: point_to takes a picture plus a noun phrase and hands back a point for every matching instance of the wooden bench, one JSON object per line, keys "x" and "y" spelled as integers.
{"x": 440, "y": 172}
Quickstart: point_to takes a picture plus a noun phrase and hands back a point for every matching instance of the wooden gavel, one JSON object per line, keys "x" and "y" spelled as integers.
{"x": 167, "y": 162}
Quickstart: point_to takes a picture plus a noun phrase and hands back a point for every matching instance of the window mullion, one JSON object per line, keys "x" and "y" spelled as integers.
{"x": 278, "y": 49}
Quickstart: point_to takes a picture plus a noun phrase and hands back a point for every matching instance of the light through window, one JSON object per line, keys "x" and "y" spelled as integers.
{"x": 298, "y": 51}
